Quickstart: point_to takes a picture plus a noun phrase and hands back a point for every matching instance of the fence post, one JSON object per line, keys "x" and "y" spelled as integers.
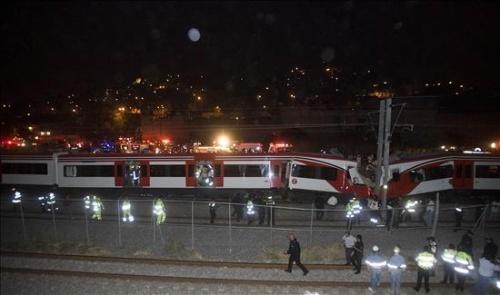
{"x": 192, "y": 225}
{"x": 119, "y": 229}
{"x": 229, "y": 222}
{"x": 54, "y": 221}
{"x": 311, "y": 225}
{"x": 86, "y": 226}
{"x": 436, "y": 216}
{"x": 22, "y": 221}
{"x": 153, "y": 222}
{"x": 271, "y": 222}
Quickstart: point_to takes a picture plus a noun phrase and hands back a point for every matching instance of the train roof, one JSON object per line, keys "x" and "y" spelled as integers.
{"x": 446, "y": 156}
{"x": 172, "y": 156}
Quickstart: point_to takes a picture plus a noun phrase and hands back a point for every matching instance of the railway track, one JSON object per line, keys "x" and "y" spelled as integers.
{"x": 51, "y": 269}
{"x": 161, "y": 261}
{"x": 195, "y": 280}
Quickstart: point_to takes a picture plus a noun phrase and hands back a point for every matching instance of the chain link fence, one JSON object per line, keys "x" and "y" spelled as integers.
{"x": 231, "y": 231}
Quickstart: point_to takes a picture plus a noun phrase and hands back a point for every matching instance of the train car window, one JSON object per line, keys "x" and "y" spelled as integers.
{"x": 256, "y": 171}
{"x": 305, "y": 171}
{"x": 89, "y": 171}
{"x": 395, "y": 175}
{"x": 69, "y": 171}
{"x": 231, "y": 171}
{"x": 328, "y": 173}
{"x": 458, "y": 171}
{"x": 417, "y": 175}
{"x": 439, "y": 172}
{"x": 24, "y": 168}
{"x": 468, "y": 171}
{"x": 488, "y": 171}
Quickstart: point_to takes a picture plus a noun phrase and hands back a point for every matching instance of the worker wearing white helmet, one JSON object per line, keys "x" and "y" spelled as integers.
{"x": 375, "y": 264}
{"x": 396, "y": 266}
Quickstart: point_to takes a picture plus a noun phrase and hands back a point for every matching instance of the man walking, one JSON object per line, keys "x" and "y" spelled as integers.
{"x": 349, "y": 241}
{"x": 375, "y": 263}
{"x": 294, "y": 252}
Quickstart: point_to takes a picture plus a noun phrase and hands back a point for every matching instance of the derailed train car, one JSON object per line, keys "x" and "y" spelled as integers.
{"x": 205, "y": 173}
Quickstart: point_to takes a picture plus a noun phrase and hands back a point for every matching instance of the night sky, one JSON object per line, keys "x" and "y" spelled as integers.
{"x": 56, "y": 48}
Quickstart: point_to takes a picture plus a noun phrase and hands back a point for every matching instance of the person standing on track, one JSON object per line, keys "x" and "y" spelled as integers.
{"x": 294, "y": 252}
{"x": 397, "y": 265}
{"x": 425, "y": 262}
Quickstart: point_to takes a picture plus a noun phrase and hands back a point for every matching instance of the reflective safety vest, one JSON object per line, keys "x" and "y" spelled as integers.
{"x": 448, "y": 255}
{"x": 51, "y": 201}
{"x": 126, "y": 209}
{"x": 17, "y": 198}
{"x": 270, "y": 201}
{"x": 250, "y": 208}
{"x": 463, "y": 263}
{"x": 87, "y": 202}
{"x": 396, "y": 263}
{"x": 356, "y": 207}
{"x": 375, "y": 262}
{"x": 97, "y": 208}
{"x": 425, "y": 260}
{"x": 410, "y": 206}
{"x": 159, "y": 211}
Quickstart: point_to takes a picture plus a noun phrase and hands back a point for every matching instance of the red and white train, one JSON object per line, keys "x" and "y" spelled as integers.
{"x": 222, "y": 172}
{"x": 469, "y": 173}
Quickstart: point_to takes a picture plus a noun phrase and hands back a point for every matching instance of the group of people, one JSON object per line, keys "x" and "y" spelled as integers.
{"x": 252, "y": 207}
{"x": 457, "y": 261}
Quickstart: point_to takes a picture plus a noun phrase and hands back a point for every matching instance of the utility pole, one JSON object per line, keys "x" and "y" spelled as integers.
{"x": 387, "y": 142}
{"x": 380, "y": 145}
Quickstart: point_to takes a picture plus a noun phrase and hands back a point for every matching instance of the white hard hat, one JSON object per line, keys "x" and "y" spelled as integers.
{"x": 396, "y": 249}
{"x": 375, "y": 248}
{"x": 332, "y": 201}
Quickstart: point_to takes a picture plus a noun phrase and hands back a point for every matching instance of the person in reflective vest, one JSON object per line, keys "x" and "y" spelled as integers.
{"x": 17, "y": 197}
{"x": 448, "y": 257}
{"x": 51, "y": 202}
{"x": 396, "y": 265}
{"x": 97, "y": 208}
{"x": 425, "y": 262}
{"x": 375, "y": 263}
{"x": 250, "y": 211}
{"x": 43, "y": 203}
{"x": 374, "y": 213}
{"x": 160, "y": 211}
{"x": 463, "y": 267}
{"x": 213, "y": 210}
{"x": 353, "y": 209}
{"x": 87, "y": 202}
{"x": 127, "y": 211}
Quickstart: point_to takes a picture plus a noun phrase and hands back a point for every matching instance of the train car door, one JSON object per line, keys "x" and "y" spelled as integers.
{"x": 144, "y": 176}
{"x": 275, "y": 174}
{"x": 462, "y": 178}
{"x": 119, "y": 166}
{"x": 134, "y": 173}
{"x": 205, "y": 171}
